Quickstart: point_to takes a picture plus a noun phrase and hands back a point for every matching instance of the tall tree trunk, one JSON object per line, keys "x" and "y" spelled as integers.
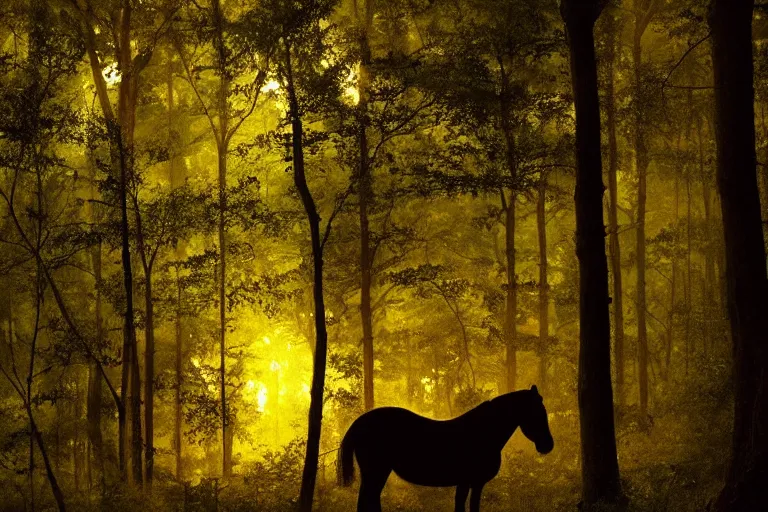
{"x": 149, "y": 379}
{"x": 510, "y": 310}
{"x": 120, "y": 129}
{"x": 688, "y": 272}
{"x": 672, "y": 285}
{"x": 541, "y": 223}
{"x": 176, "y": 176}
{"x": 508, "y": 206}
{"x": 731, "y": 25}
{"x": 309, "y": 474}
{"x": 709, "y": 253}
{"x": 643, "y": 14}
{"x": 226, "y": 448}
{"x": 177, "y": 440}
{"x": 49, "y": 472}
{"x": 365, "y": 196}
{"x": 613, "y": 224}
{"x": 222, "y": 147}
{"x": 600, "y": 469}
{"x": 130, "y": 376}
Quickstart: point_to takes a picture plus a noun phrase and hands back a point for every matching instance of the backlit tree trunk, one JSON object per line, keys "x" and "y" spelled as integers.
{"x": 613, "y": 223}
{"x": 644, "y": 10}
{"x": 365, "y": 195}
{"x": 747, "y": 283}
{"x": 541, "y": 223}
{"x": 600, "y": 469}
{"x": 309, "y": 474}
{"x": 508, "y": 206}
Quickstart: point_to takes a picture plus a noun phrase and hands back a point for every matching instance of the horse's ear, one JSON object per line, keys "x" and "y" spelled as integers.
{"x": 535, "y": 389}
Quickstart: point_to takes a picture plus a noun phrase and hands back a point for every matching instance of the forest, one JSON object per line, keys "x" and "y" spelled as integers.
{"x": 228, "y": 228}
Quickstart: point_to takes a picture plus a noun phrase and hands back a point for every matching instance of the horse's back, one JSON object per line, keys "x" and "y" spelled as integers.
{"x": 420, "y": 450}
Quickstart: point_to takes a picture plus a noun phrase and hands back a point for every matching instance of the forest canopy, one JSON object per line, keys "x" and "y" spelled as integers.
{"x": 228, "y": 228}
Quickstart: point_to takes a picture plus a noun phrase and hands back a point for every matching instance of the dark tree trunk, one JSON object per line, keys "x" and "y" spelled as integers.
{"x": 179, "y": 382}
{"x": 672, "y": 287}
{"x": 149, "y": 380}
{"x": 510, "y": 312}
{"x": 541, "y": 223}
{"x": 57, "y": 493}
{"x": 94, "y": 400}
{"x": 600, "y": 469}
{"x": 222, "y": 147}
{"x": 309, "y": 474}
{"x": 643, "y": 13}
{"x": 365, "y": 195}
{"x": 747, "y": 283}
{"x": 613, "y": 224}
{"x": 709, "y": 253}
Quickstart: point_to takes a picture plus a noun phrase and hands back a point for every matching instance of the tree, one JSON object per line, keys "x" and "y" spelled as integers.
{"x": 600, "y": 469}
{"x": 120, "y": 127}
{"x": 644, "y": 11}
{"x": 229, "y": 64}
{"x": 747, "y": 292}
{"x": 302, "y": 40}
{"x": 612, "y": 30}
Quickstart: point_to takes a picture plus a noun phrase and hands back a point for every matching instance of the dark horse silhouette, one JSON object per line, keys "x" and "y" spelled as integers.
{"x": 464, "y": 452}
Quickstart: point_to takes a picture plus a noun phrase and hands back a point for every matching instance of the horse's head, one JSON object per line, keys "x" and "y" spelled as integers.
{"x": 534, "y": 422}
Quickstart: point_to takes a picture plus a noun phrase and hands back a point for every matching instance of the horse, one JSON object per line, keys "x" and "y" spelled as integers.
{"x": 464, "y": 452}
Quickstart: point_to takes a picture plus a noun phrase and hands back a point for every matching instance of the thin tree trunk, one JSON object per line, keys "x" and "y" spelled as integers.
{"x": 709, "y": 256}
{"x": 309, "y": 474}
{"x": 57, "y": 493}
{"x": 688, "y": 274}
{"x": 179, "y": 382}
{"x": 510, "y": 312}
{"x": 613, "y": 224}
{"x": 642, "y": 18}
{"x": 365, "y": 195}
{"x": 731, "y": 25}
{"x": 222, "y": 147}
{"x": 149, "y": 379}
{"x": 673, "y": 286}
{"x": 600, "y": 470}
{"x": 541, "y": 223}
{"x": 226, "y": 453}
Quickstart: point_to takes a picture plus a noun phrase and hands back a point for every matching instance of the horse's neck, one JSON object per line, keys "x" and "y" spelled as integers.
{"x": 504, "y": 425}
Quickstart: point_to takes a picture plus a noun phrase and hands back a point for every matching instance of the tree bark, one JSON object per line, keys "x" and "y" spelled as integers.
{"x": 541, "y": 223}
{"x": 709, "y": 253}
{"x": 222, "y": 147}
{"x": 177, "y": 440}
{"x": 149, "y": 380}
{"x": 309, "y": 474}
{"x": 644, "y": 10}
{"x": 747, "y": 283}
{"x": 613, "y": 223}
{"x": 365, "y": 197}
{"x": 600, "y": 470}
{"x": 510, "y": 312}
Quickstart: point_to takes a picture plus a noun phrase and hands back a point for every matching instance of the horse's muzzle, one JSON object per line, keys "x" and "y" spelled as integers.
{"x": 545, "y": 447}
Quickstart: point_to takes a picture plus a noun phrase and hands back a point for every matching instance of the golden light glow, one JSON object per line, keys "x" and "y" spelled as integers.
{"x": 351, "y": 93}
{"x": 261, "y": 397}
{"x": 111, "y": 74}
{"x": 272, "y": 85}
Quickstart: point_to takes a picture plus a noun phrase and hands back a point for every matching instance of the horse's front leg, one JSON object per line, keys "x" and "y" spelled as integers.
{"x": 462, "y": 491}
{"x": 474, "y": 500}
